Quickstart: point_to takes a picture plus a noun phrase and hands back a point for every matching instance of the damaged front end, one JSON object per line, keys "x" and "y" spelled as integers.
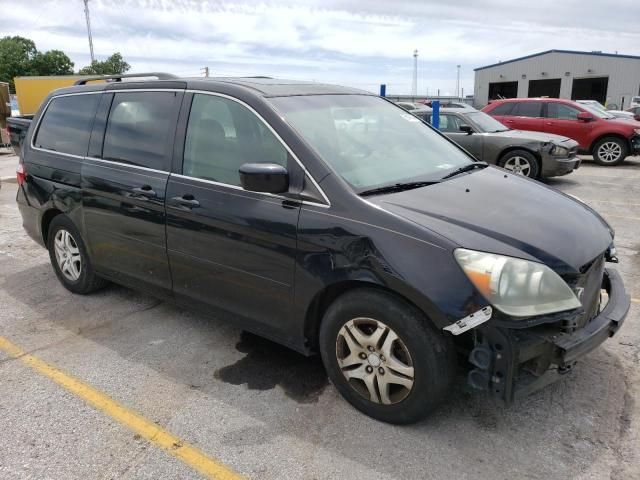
{"x": 511, "y": 358}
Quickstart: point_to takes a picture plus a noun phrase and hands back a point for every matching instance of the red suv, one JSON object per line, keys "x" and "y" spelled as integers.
{"x": 609, "y": 140}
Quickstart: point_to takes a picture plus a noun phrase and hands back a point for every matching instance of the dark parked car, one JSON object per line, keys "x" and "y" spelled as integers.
{"x": 327, "y": 219}
{"x": 608, "y": 139}
{"x": 18, "y": 127}
{"x": 535, "y": 155}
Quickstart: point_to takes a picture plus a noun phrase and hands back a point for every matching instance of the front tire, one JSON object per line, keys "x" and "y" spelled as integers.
{"x": 610, "y": 151}
{"x": 520, "y": 162}
{"x": 69, "y": 257}
{"x": 384, "y": 356}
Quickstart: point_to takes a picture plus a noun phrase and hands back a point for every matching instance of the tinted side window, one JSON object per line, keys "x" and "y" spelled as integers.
{"x": 503, "y": 109}
{"x": 527, "y": 109}
{"x": 562, "y": 112}
{"x": 66, "y": 124}
{"x": 222, "y": 135}
{"x": 137, "y": 128}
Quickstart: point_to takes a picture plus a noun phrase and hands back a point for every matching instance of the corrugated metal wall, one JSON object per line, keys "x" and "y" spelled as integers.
{"x": 623, "y": 73}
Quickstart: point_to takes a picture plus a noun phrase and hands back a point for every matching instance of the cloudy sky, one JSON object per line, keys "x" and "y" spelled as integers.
{"x": 359, "y": 43}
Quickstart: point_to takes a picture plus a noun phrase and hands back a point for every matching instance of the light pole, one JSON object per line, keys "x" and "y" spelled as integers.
{"x": 458, "y": 83}
{"x": 86, "y": 14}
{"x": 414, "y": 83}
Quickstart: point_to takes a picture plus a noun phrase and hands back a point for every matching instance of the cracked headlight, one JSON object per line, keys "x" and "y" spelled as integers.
{"x": 516, "y": 287}
{"x": 559, "y": 151}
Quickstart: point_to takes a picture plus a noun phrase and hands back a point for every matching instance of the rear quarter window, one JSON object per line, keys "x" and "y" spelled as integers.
{"x": 66, "y": 124}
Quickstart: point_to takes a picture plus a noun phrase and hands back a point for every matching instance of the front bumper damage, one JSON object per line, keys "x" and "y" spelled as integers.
{"x": 512, "y": 363}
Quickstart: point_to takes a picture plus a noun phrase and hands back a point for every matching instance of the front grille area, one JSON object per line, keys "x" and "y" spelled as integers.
{"x": 587, "y": 286}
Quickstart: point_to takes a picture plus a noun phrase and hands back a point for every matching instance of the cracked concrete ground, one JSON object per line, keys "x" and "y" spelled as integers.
{"x": 269, "y": 413}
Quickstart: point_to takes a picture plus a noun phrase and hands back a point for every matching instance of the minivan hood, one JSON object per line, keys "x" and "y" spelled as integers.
{"x": 540, "y": 136}
{"x": 495, "y": 211}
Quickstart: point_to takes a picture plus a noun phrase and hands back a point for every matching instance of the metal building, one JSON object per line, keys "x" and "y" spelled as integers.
{"x": 609, "y": 78}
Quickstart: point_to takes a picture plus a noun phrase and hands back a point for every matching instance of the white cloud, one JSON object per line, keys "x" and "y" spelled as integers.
{"x": 361, "y": 43}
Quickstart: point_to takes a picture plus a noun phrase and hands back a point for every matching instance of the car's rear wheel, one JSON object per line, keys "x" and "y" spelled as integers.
{"x": 520, "y": 162}
{"x": 69, "y": 257}
{"x": 610, "y": 151}
{"x": 385, "y": 357}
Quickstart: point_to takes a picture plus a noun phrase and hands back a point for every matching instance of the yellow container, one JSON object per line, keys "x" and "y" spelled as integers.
{"x": 31, "y": 91}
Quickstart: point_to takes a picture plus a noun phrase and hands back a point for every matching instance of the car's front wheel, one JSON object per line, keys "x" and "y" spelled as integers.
{"x": 520, "y": 162}
{"x": 385, "y": 357}
{"x": 610, "y": 151}
{"x": 69, "y": 257}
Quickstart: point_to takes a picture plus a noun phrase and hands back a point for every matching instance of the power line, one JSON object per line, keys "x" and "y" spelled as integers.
{"x": 86, "y": 14}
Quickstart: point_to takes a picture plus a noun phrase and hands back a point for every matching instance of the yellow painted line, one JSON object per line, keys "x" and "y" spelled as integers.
{"x": 635, "y": 300}
{"x": 188, "y": 454}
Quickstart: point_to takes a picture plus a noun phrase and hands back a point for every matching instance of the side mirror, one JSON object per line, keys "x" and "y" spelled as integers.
{"x": 466, "y": 128}
{"x": 585, "y": 116}
{"x": 264, "y": 177}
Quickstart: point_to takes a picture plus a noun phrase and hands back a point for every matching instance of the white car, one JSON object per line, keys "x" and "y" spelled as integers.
{"x": 621, "y": 114}
{"x": 635, "y": 102}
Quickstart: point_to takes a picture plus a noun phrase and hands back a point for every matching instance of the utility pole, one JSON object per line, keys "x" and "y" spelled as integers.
{"x": 414, "y": 83}
{"x": 205, "y": 70}
{"x": 86, "y": 14}
{"x": 458, "y": 83}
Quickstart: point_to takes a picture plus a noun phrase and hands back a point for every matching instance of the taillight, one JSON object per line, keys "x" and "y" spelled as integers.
{"x": 21, "y": 173}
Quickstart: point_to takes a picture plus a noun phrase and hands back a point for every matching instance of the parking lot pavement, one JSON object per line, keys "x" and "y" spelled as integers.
{"x": 268, "y": 413}
{"x": 8, "y": 164}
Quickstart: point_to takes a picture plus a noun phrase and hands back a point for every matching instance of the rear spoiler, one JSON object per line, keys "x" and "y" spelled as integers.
{"x": 118, "y": 78}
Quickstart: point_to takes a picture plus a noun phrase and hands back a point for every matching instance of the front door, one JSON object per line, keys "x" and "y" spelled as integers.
{"x": 450, "y": 126}
{"x": 230, "y": 250}
{"x": 124, "y": 181}
{"x": 563, "y": 120}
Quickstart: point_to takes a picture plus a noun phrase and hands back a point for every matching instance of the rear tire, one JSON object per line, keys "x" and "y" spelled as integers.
{"x": 520, "y": 162}
{"x": 399, "y": 366}
{"x": 69, "y": 257}
{"x": 610, "y": 151}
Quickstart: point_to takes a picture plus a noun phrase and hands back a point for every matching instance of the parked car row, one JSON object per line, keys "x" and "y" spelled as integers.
{"x": 527, "y": 153}
{"x": 598, "y": 133}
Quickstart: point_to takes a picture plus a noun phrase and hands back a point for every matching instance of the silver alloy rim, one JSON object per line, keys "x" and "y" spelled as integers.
{"x": 67, "y": 255}
{"x": 518, "y": 165}
{"x": 375, "y": 361}
{"x": 609, "y": 152}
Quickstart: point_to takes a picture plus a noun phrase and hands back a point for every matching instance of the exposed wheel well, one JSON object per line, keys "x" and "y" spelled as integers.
{"x": 324, "y": 298}
{"x": 514, "y": 148}
{"x": 48, "y": 216}
{"x": 609, "y": 135}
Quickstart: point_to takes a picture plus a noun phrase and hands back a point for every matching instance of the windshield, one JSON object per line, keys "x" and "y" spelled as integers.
{"x": 368, "y": 141}
{"x": 599, "y": 112}
{"x": 486, "y": 123}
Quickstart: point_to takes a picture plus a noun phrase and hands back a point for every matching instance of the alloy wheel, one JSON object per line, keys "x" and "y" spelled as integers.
{"x": 68, "y": 255}
{"x": 609, "y": 152}
{"x": 518, "y": 165}
{"x": 375, "y": 361}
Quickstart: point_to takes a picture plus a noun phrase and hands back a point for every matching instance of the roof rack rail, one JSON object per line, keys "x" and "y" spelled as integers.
{"x": 119, "y": 77}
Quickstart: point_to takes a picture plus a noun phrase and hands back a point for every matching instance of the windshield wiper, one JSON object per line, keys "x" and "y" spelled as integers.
{"x": 466, "y": 168}
{"x": 398, "y": 187}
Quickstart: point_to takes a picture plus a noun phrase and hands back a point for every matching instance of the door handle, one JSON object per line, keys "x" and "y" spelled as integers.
{"x": 187, "y": 201}
{"x": 550, "y": 123}
{"x": 144, "y": 191}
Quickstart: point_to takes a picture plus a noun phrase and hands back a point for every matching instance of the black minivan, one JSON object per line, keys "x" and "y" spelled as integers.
{"x": 327, "y": 219}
